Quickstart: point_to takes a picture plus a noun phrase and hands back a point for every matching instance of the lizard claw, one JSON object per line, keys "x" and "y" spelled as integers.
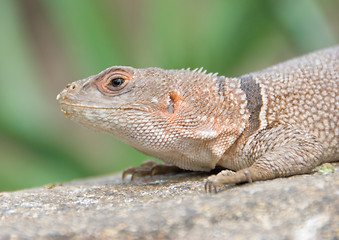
{"x": 150, "y": 168}
{"x": 210, "y": 186}
{"x": 227, "y": 177}
{"x": 136, "y": 172}
{"x": 144, "y": 170}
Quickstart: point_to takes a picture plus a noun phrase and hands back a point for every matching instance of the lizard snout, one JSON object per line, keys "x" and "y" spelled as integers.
{"x": 69, "y": 92}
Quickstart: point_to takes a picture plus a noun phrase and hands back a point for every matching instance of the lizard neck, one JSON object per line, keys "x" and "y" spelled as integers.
{"x": 256, "y": 101}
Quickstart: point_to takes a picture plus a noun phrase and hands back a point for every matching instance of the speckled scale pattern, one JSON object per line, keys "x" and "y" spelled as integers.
{"x": 304, "y": 93}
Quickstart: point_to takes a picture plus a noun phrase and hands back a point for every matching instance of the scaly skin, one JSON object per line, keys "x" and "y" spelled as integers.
{"x": 273, "y": 123}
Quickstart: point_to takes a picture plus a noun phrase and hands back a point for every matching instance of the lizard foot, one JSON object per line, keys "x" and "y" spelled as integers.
{"x": 226, "y": 177}
{"x": 150, "y": 168}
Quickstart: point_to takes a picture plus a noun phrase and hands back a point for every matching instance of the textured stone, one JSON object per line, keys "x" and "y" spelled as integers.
{"x": 174, "y": 207}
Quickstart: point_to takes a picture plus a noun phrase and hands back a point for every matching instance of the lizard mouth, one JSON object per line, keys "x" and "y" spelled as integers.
{"x": 73, "y": 111}
{"x": 67, "y": 106}
{"x": 70, "y": 110}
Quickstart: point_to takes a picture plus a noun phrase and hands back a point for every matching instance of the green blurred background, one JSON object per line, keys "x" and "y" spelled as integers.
{"x": 45, "y": 44}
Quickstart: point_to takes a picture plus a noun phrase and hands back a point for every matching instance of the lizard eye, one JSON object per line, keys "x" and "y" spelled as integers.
{"x": 115, "y": 83}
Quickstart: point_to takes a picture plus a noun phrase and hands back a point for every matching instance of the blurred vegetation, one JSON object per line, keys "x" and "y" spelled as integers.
{"x": 46, "y": 44}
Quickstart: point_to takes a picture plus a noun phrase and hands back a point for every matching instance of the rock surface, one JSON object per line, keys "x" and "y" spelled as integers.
{"x": 174, "y": 207}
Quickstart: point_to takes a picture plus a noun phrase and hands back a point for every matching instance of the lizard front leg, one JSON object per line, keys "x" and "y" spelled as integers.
{"x": 277, "y": 152}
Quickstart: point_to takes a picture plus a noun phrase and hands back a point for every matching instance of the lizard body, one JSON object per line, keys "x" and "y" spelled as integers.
{"x": 272, "y": 123}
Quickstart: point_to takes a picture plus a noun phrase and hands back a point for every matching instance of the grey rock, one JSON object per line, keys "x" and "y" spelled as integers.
{"x": 175, "y": 207}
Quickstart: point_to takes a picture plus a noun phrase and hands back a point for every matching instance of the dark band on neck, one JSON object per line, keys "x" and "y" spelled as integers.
{"x": 254, "y": 100}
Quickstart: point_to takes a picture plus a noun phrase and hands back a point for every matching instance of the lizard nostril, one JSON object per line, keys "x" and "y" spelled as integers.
{"x": 72, "y": 87}
{"x": 69, "y": 92}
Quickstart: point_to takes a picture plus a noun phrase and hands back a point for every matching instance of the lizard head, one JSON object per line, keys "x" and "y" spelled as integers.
{"x": 180, "y": 116}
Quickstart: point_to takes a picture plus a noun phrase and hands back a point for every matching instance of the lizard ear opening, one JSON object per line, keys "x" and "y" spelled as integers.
{"x": 174, "y": 102}
{"x": 170, "y": 107}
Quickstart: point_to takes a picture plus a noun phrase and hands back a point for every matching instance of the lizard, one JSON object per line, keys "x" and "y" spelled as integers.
{"x": 277, "y": 122}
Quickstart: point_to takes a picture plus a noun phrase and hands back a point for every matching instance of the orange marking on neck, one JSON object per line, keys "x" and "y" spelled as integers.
{"x": 171, "y": 106}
